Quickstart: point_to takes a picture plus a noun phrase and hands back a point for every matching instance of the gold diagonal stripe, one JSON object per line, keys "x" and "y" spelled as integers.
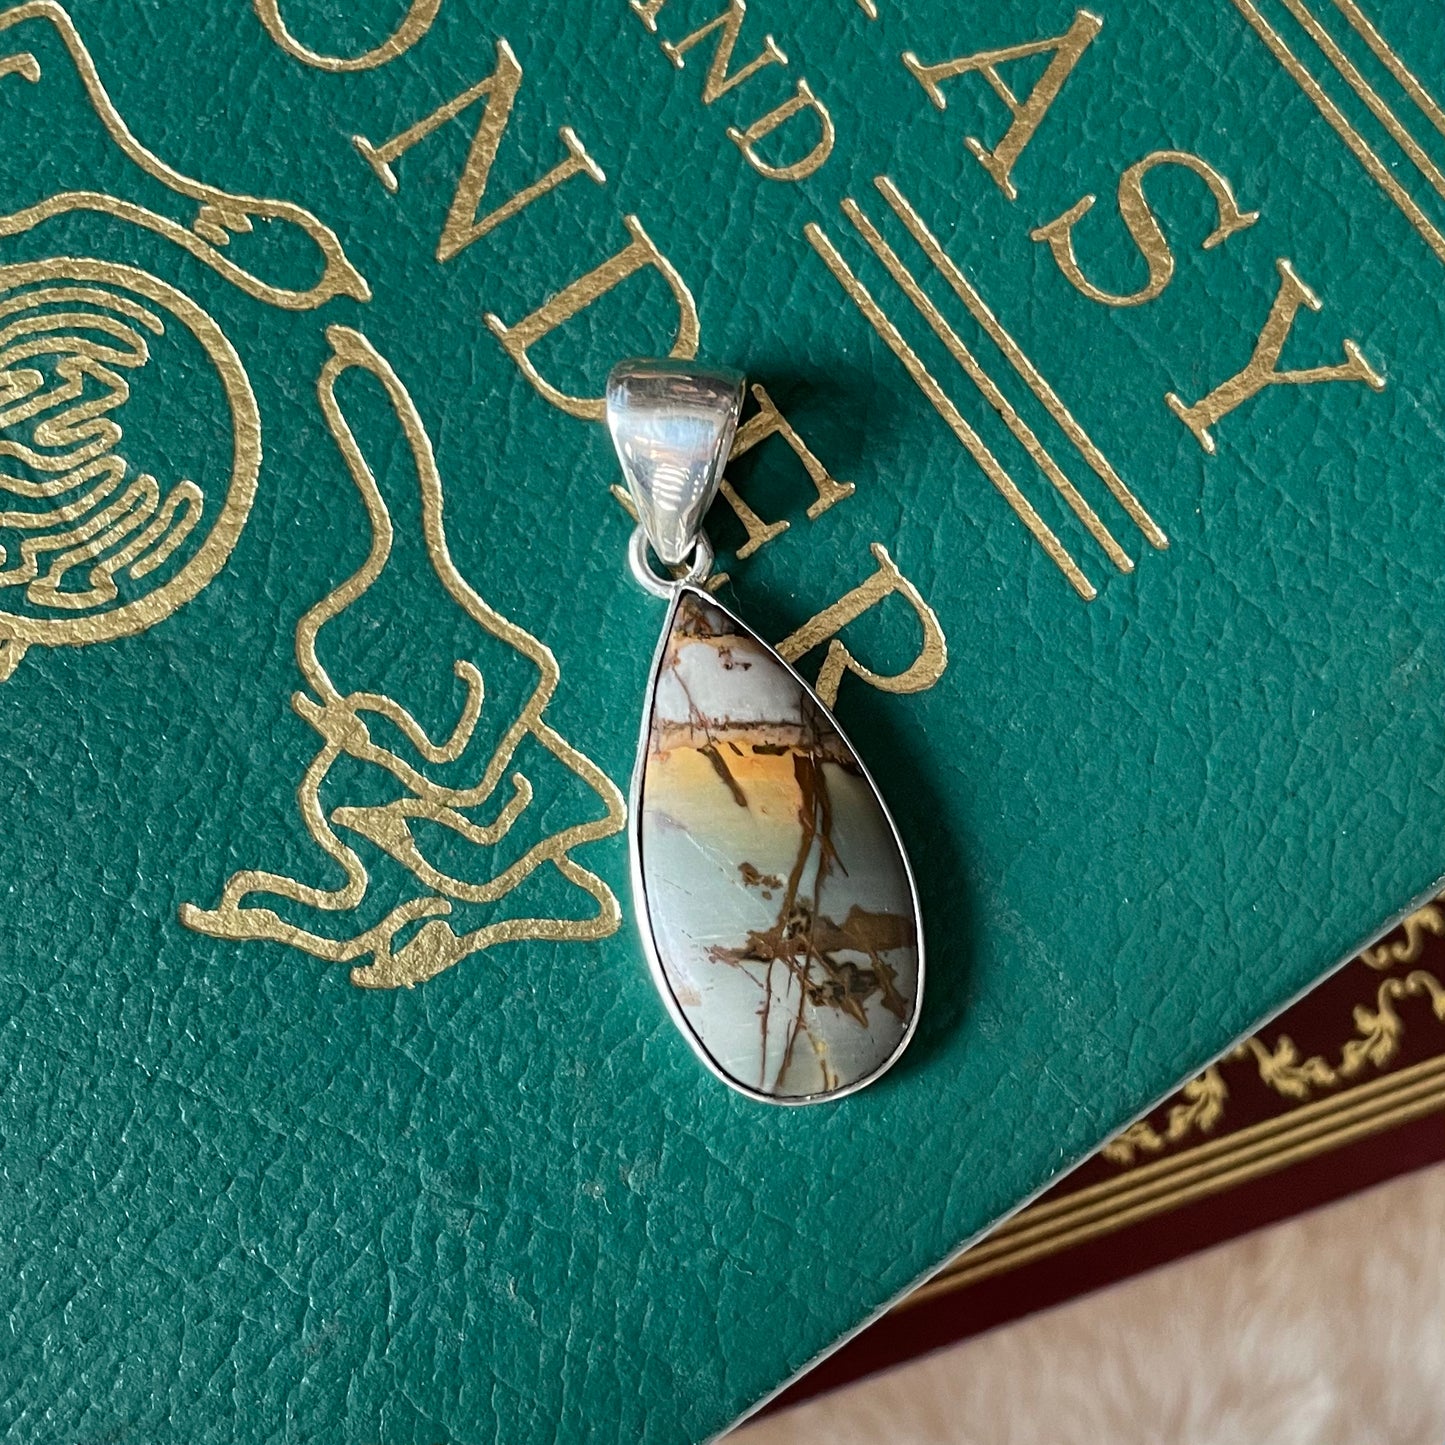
{"x": 1043, "y": 1230}
{"x": 923, "y": 380}
{"x": 1392, "y": 62}
{"x": 1374, "y": 166}
{"x": 1367, "y": 93}
{"x": 982, "y": 313}
{"x": 1322, "y": 1115}
{"x": 1022, "y": 432}
{"x": 1250, "y": 1155}
{"x": 1023, "y": 1252}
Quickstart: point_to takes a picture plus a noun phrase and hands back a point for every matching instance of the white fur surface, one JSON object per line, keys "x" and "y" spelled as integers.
{"x": 1325, "y": 1330}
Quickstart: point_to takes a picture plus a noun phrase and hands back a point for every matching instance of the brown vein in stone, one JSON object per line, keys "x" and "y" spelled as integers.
{"x": 720, "y": 767}
{"x": 815, "y": 815}
{"x": 806, "y": 941}
{"x": 770, "y": 738}
{"x": 802, "y": 939}
{"x": 709, "y": 749}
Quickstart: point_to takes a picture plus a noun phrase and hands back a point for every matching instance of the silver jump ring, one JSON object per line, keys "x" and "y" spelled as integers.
{"x": 697, "y": 571}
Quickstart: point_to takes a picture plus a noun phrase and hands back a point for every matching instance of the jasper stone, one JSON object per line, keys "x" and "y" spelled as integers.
{"x": 773, "y": 884}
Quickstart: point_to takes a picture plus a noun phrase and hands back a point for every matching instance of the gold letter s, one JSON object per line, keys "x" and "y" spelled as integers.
{"x": 1144, "y": 227}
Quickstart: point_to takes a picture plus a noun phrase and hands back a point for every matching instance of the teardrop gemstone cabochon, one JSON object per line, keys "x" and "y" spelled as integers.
{"x": 771, "y": 886}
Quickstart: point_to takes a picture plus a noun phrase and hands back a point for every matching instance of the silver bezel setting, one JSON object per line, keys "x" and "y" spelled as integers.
{"x": 639, "y": 885}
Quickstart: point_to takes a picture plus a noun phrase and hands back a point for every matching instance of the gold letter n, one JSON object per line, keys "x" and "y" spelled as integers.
{"x": 498, "y": 93}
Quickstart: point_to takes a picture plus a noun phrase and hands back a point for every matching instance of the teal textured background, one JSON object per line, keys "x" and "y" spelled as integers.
{"x": 242, "y": 1199}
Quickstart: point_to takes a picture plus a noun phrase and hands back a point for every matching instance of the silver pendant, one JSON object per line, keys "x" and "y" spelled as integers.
{"x": 772, "y": 890}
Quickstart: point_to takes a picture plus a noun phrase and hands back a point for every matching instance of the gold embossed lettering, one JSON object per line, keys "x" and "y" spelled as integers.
{"x": 729, "y": 25}
{"x": 1263, "y": 368}
{"x": 498, "y": 94}
{"x": 920, "y": 674}
{"x": 417, "y": 21}
{"x": 767, "y": 422}
{"x": 760, "y": 533}
{"x": 638, "y": 255}
{"x": 647, "y": 11}
{"x": 1143, "y": 226}
{"x": 802, "y": 100}
{"x": 1028, "y": 114}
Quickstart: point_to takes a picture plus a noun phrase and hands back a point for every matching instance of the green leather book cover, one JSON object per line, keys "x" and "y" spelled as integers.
{"x": 1094, "y": 468}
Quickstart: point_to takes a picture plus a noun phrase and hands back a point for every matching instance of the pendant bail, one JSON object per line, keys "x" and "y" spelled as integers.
{"x": 672, "y": 425}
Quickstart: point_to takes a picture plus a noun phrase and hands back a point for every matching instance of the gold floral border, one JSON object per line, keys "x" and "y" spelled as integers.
{"x": 1371, "y": 1048}
{"x": 1184, "y": 1164}
{"x": 1161, "y": 1185}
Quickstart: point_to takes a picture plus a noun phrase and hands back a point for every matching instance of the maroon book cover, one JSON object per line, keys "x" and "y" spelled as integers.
{"x": 1344, "y": 1090}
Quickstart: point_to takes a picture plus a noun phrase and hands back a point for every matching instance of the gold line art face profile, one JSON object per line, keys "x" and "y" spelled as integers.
{"x": 93, "y": 547}
{"x": 451, "y": 811}
{"x": 218, "y": 215}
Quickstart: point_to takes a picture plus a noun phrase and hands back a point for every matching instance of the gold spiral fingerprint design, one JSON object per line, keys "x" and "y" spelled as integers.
{"x": 87, "y": 517}
{"x": 88, "y": 544}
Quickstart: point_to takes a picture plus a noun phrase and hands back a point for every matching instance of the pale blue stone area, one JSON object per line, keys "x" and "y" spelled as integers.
{"x": 776, "y": 893}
